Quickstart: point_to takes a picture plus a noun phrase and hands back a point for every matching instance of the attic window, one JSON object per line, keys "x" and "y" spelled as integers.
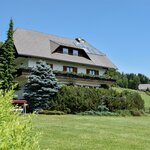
{"x": 75, "y": 52}
{"x": 65, "y": 50}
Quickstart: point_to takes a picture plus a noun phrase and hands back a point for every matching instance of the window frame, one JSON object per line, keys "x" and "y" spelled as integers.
{"x": 74, "y": 52}
{"x": 65, "y": 50}
{"x": 92, "y": 72}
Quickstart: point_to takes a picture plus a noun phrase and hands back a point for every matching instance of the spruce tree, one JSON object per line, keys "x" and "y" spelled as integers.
{"x": 41, "y": 87}
{"x": 7, "y": 61}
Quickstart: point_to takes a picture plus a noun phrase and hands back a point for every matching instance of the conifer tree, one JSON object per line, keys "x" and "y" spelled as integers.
{"x": 41, "y": 87}
{"x": 7, "y": 61}
{"x": 1, "y": 43}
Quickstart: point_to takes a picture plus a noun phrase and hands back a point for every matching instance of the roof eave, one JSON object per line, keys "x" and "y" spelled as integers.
{"x": 33, "y": 56}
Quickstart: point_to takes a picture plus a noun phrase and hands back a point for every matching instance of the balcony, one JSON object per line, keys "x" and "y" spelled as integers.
{"x": 77, "y": 79}
{"x": 83, "y": 79}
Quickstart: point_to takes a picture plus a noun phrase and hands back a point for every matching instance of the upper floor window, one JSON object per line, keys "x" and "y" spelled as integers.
{"x": 92, "y": 72}
{"x": 69, "y": 69}
{"x": 65, "y": 50}
{"x": 75, "y": 52}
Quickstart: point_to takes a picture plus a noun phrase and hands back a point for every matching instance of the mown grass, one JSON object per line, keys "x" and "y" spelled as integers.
{"x": 144, "y": 96}
{"x": 73, "y": 132}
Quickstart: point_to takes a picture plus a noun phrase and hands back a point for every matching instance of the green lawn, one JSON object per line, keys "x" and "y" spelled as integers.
{"x": 145, "y": 97}
{"x": 72, "y": 132}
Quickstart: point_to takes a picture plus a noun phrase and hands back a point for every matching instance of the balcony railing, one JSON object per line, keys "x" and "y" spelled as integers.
{"x": 78, "y": 78}
{"x": 82, "y": 76}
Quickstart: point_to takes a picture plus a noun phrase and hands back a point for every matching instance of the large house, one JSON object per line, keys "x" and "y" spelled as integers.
{"x": 75, "y": 56}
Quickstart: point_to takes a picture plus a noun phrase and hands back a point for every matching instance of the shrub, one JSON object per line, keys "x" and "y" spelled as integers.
{"x": 54, "y": 112}
{"x": 78, "y": 99}
{"x": 133, "y": 100}
{"x": 97, "y": 113}
{"x": 136, "y": 113}
{"x": 124, "y": 113}
{"x": 15, "y": 129}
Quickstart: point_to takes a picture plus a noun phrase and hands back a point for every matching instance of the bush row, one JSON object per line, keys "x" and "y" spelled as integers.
{"x": 78, "y": 99}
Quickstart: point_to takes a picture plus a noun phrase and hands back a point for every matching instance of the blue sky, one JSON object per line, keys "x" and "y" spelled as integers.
{"x": 119, "y": 28}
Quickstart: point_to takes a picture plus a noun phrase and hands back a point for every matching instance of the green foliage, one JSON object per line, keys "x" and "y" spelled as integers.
{"x": 124, "y": 112}
{"x": 16, "y": 131}
{"x": 41, "y": 86}
{"x": 136, "y": 113}
{"x": 48, "y": 112}
{"x": 7, "y": 64}
{"x": 133, "y": 100}
{"x": 78, "y": 99}
{"x": 81, "y": 75}
{"x": 1, "y": 43}
{"x": 128, "y": 80}
{"x": 97, "y": 113}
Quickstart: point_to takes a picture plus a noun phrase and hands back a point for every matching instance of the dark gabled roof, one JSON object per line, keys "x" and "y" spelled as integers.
{"x": 36, "y": 44}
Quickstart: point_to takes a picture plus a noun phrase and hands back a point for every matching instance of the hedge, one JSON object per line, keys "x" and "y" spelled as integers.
{"x": 73, "y": 100}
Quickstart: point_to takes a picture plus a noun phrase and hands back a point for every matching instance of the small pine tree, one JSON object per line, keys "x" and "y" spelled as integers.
{"x": 41, "y": 86}
{"x": 7, "y": 61}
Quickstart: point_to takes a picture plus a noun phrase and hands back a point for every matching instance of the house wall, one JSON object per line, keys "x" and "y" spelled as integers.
{"x": 58, "y": 65}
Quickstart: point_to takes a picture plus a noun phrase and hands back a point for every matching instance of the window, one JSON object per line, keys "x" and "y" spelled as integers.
{"x": 75, "y": 52}
{"x": 69, "y": 69}
{"x": 92, "y": 72}
{"x": 65, "y": 50}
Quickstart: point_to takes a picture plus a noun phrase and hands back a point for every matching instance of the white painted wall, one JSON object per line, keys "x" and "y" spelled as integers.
{"x": 58, "y": 65}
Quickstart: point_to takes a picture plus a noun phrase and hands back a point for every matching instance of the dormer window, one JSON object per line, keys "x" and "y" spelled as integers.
{"x": 71, "y": 51}
{"x": 75, "y": 52}
{"x": 65, "y": 51}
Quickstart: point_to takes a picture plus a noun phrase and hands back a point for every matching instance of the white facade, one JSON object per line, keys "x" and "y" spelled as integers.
{"x": 58, "y": 65}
